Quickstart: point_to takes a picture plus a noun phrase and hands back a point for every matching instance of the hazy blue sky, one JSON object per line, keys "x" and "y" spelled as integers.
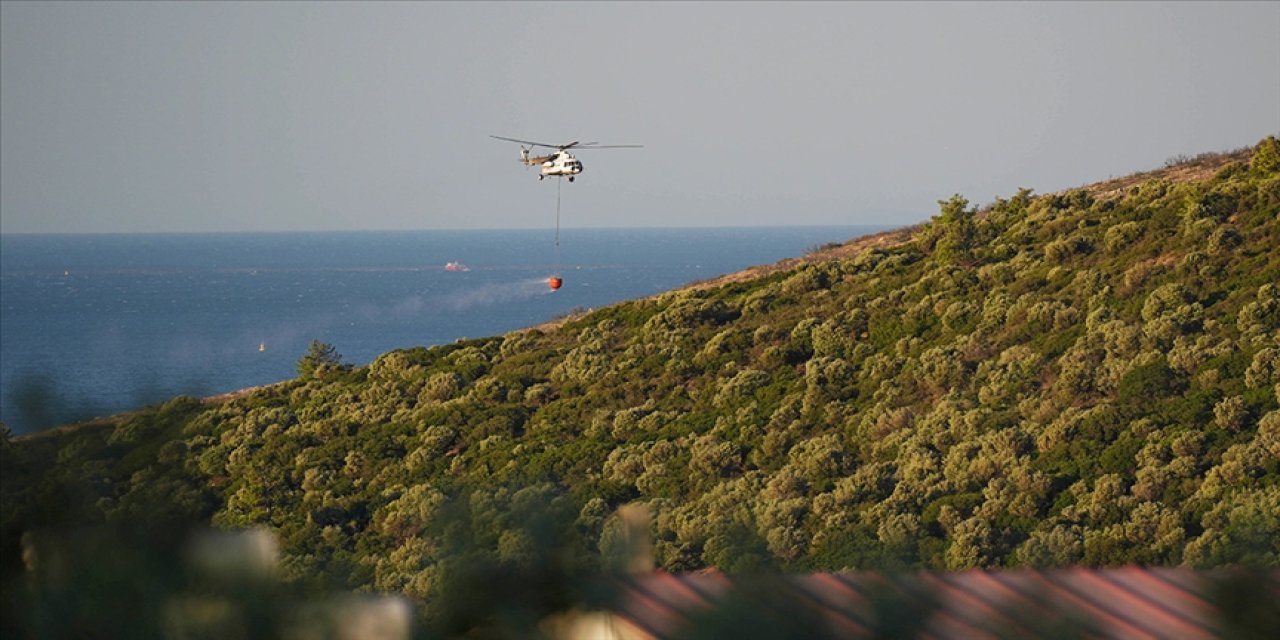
{"x": 296, "y": 116}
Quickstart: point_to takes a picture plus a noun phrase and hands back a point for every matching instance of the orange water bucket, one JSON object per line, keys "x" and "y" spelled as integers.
{"x": 554, "y": 282}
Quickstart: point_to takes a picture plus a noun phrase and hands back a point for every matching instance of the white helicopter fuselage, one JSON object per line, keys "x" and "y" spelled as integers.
{"x": 560, "y": 163}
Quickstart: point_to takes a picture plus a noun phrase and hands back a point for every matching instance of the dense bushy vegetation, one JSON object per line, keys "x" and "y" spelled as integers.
{"x": 1088, "y": 377}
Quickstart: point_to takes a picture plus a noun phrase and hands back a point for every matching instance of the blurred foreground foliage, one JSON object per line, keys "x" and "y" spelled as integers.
{"x": 1088, "y": 377}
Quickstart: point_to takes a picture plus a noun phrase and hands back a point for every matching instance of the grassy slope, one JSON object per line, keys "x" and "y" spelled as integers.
{"x": 1087, "y": 377}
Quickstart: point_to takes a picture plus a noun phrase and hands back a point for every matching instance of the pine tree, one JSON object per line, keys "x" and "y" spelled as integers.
{"x": 319, "y": 356}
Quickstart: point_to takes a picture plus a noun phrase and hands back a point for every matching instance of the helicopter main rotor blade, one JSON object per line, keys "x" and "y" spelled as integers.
{"x": 572, "y": 145}
{"x": 536, "y": 144}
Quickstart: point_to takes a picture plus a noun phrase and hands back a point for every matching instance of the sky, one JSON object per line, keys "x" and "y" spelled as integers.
{"x": 296, "y": 116}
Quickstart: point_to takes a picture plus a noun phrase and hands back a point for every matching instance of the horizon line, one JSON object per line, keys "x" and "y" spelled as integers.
{"x": 457, "y": 229}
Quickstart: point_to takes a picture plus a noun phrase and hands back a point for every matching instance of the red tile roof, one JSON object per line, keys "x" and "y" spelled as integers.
{"x": 1126, "y": 602}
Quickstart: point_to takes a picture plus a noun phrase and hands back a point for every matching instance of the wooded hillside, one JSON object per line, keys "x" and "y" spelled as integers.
{"x": 1088, "y": 377}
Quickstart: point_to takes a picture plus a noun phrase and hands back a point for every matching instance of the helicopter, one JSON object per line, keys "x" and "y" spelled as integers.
{"x": 559, "y": 162}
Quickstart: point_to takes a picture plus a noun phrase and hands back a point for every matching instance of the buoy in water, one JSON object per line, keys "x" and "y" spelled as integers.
{"x": 554, "y": 282}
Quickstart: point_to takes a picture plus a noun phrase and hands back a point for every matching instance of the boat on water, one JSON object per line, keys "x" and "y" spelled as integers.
{"x": 456, "y": 266}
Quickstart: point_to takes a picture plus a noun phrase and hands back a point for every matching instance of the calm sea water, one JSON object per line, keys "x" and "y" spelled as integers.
{"x": 97, "y": 324}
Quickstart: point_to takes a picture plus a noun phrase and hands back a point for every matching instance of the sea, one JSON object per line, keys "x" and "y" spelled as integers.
{"x": 97, "y": 324}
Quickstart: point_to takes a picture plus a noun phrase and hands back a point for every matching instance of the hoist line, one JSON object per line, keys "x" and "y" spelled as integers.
{"x": 559, "y": 182}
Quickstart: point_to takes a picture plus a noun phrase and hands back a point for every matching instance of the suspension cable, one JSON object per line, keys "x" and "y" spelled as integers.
{"x": 559, "y": 182}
